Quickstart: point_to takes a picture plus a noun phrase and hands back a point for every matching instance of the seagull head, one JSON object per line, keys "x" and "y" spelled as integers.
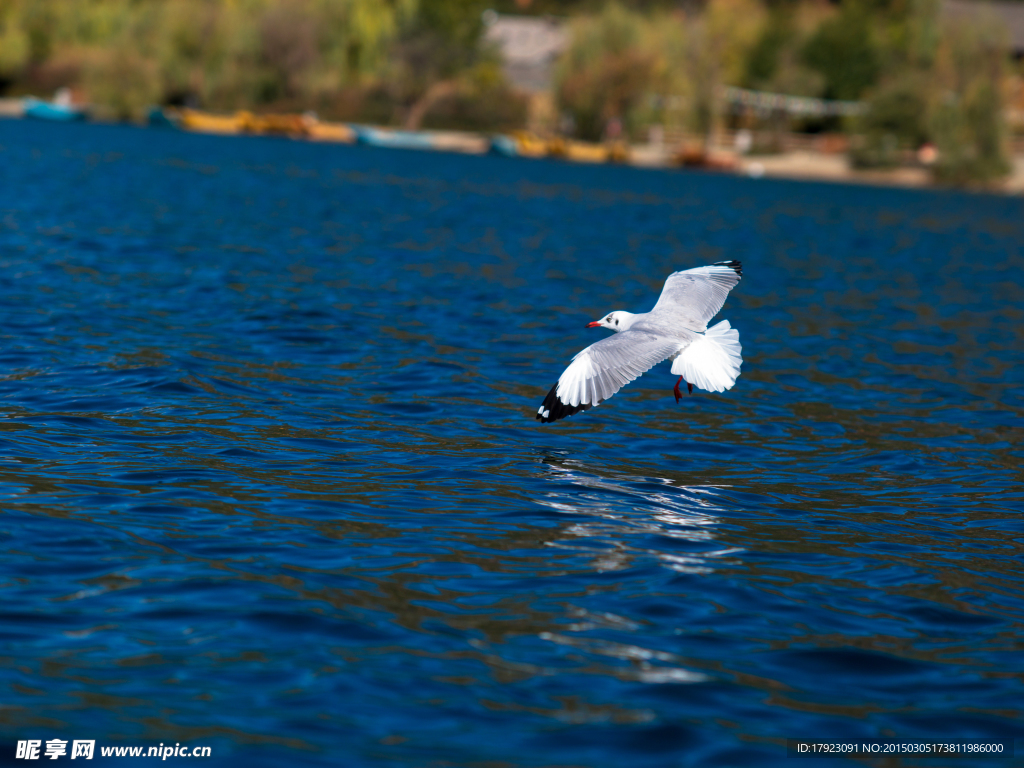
{"x": 616, "y": 321}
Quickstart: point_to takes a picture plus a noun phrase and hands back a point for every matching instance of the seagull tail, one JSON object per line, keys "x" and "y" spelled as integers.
{"x": 712, "y": 362}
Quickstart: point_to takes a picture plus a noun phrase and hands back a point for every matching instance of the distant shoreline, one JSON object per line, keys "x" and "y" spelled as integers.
{"x": 795, "y": 165}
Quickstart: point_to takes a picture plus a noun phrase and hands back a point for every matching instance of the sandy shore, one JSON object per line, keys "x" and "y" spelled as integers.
{"x": 816, "y": 166}
{"x": 810, "y": 165}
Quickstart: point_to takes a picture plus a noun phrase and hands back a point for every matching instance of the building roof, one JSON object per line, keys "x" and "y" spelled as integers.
{"x": 529, "y": 46}
{"x": 1009, "y": 14}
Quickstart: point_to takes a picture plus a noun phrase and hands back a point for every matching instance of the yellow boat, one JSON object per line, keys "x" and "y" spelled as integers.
{"x": 276, "y": 125}
{"x": 529, "y": 145}
{"x": 336, "y": 132}
{"x": 206, "y": 122}
{"x": 293, "y": 125}
{"x": 578, "y": 151}
{"x": 618, "y": 152}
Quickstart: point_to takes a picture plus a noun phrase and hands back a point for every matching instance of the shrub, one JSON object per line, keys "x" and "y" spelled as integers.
{"x": 896, "y": 121}
{"x": 288, "y": 49}
{"x": 121, "y": 84}
{"x": 605, "y": 72}
{"x": 15, "y": 45}
{"x": 481, "y": 101}
{"x": 967, "y": 111}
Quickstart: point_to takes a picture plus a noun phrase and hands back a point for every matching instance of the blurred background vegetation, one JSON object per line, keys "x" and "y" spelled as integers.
{"x": 924, "y": 77}
{"x": 374, "y": 60}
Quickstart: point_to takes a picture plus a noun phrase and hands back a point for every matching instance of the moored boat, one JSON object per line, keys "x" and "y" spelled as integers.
{"x": 392, "y": 139}
{"x": 504, "y": 145}
{"x": 206, "y": 122}
{"x": 530, "y": 145}
{"x": 52, "y": 110}
{"x": 578, "y": 151}
{"x": 160, "y": 117}
{"x": 619, "y": 152}
{"x": 276, "y": 125}
{"x": 332, "y": 132}
{"x": 519, "y": 144}
{"x": 439, "y": 141}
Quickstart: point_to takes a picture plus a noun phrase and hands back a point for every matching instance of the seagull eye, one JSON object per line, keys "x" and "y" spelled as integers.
{"x": 616, "y": 321}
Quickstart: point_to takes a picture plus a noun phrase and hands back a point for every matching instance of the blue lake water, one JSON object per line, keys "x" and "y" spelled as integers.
{"x": 271, "y": 480}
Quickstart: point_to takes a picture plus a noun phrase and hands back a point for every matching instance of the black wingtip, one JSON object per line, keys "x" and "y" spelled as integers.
{"x": 735, "y": 266}
{"x": 553, "y": 409}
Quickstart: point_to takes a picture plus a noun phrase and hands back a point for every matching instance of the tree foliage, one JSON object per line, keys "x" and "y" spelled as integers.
{"x": 215, "y": 53}
{"x": 606, "y": 71}
{"x": 843, "y": 51}
{"x": 895, "y": 123}
{"x": 967, "y": 108}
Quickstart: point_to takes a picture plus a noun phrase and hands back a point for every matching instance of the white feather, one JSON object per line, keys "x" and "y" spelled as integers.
{"x": 603, "y": 368}
{"x": 712, "y": 361}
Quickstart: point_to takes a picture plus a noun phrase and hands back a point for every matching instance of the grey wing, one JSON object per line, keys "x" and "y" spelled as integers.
{"x": 602, "y": 369}
{"x": 694, "y": 296}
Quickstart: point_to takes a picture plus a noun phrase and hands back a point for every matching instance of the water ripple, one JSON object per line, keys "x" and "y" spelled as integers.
{"x": 271, "y": 481}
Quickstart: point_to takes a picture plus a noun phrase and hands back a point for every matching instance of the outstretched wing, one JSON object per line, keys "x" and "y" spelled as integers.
{"x": 694, "y": 296}
{"x": 602, "y": 369}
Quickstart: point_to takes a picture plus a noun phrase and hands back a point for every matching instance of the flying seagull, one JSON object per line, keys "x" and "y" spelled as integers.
{"x": 676, "y": 329}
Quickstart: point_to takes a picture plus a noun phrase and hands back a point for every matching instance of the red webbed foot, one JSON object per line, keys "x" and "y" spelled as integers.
{"x": 677, "y": 393}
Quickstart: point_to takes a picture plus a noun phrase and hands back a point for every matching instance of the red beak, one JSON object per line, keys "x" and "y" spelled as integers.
{"x": 594, "y": 324}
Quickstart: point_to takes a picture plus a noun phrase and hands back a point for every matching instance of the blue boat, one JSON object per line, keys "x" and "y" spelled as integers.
{"x": 504, "y": 145}
{"x": 158, "y": 117}
{"x": 381, "y": 137}
{"x": 48, "y": 110}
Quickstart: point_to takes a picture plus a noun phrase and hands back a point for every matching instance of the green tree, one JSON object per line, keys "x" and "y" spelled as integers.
{"x": 967, "y": 111}
{"x": 606, "y": 71}
{"x": 15, "y": 46}
{"x": 843, "y": 52}
{"x": 438, "y": 44}
{"x": 778, "y": 35}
